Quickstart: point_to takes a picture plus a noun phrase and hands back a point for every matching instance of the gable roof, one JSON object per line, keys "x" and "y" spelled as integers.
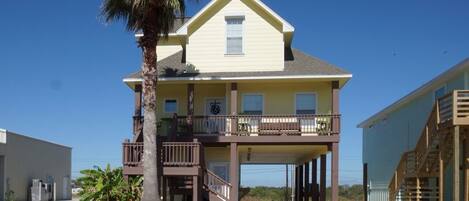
{"x": 287, "y": 27}
{"x": 430, "y": 85}
{"x": 297, "y": 64}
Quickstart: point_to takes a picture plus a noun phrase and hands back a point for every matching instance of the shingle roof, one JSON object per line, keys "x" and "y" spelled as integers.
{"x": 296, "y": 63}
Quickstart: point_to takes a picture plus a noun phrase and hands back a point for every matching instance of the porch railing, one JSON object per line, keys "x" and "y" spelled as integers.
{"x": 257, "y": 125}
{"x": 217, "y": 185}
{"x": 172, "y": 154}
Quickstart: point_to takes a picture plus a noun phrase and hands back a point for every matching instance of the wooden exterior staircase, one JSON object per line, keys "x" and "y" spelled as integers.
{"x": 420, "y": 172}
{"x": 183, "y": 171}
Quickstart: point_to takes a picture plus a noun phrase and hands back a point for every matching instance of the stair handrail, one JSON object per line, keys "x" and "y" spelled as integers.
{"x": 217, "y": 185}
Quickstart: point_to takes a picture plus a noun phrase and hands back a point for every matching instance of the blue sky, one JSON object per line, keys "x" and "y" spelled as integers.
{"x": 61, "y": 68}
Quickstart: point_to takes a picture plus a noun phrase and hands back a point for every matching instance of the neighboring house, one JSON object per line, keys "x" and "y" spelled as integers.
{"x": 408, "y": 147}
{"x": 23, "y": 159}
{"x": 233, "y": 91}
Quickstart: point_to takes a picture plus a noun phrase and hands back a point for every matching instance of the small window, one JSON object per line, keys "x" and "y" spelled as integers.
{"x": 234, "y": 35}
{"x": 170, "y": 106}
{"x": 306, "y": 103}
{"x": 253, "y": 104}
{"x": 440, "y": 92}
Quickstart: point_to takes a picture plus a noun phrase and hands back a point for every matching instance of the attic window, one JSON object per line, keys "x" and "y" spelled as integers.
{"x": 234, "y": 35}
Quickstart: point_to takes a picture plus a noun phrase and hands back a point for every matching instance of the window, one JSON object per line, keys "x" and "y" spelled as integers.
{"x": 253, "y": 104}
{"x": 440, "y": 92}
{"x": 305, "y": 103}
{"x": 234, "y": 35}
{"x": 170, "y": 106}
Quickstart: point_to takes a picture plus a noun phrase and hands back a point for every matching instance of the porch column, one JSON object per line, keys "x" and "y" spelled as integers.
{"x": 456, "y": 158}
{"x": 190, "y": 107}
{"x": 138, "y": 110}
{"x": 234, "y": 171}
{"x": 196, "y": 188}
{"x": 300, "y": 183}
{"x": 335, "y": 106}
{"x": 234, "y": 107}
{"x": 307, "y": 183}
{"x": 314, "y": 180}
{"x": 335, "y": 171}
{"x": 365, "y": 181}
{"x": 322, "y": 190}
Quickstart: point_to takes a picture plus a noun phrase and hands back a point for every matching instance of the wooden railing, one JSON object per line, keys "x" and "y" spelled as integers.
{"x": 455, "y": 106}
{"x": 407, "y": 168}
{"x": 132, "y": 154}
{"x": 257, "y": 125}
{"x": 217, "y": 185}
{"x": 172, "y": 154}
{"x": 181, "y": 153}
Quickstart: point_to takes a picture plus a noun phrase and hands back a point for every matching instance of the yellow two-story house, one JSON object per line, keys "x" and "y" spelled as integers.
{"x": 233, "y": 91}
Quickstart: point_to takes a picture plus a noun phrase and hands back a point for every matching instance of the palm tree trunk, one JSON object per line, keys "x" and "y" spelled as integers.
{"x": 150, "y": 79}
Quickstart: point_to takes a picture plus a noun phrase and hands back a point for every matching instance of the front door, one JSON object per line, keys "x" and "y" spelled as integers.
{"x": 214, "y": 123}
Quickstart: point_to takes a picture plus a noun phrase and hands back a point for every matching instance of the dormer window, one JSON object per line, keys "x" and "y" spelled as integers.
{"x": 234, "y": 35}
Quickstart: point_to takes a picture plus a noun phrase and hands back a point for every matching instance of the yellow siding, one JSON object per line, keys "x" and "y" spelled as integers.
{"x": 263, "y": 40}
{"x": 174, "y": 91}
{"x": 279, "y": 98}
{"x": 168, "y": 47}
{"x": 203, "y": 91}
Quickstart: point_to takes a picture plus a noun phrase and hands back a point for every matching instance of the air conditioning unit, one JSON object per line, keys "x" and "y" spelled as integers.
{"x": 41, "y": 191}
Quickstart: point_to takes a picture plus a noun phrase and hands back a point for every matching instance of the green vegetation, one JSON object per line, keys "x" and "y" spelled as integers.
{"x": 109, "y": 185}
{"x": 10, "y": 196}
{"x": 262, "y": 193}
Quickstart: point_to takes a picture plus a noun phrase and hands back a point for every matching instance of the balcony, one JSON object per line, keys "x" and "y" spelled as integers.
{"x": 252, "y": 125}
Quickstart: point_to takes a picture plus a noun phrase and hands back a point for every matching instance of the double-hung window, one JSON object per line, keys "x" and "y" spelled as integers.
{"x": 234, "y": 35}
{"x": 305, "y": 103}
{"x": 440, "y": 92}
{"x": 253, "y": 104}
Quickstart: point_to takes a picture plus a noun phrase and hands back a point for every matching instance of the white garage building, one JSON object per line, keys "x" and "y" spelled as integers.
{"x": 23, "y": 159}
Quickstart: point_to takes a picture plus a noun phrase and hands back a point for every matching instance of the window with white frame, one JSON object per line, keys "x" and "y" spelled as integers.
{"x": 234, "y": 35}
{"x": 170, "y": 106}
{"x": 305, "y": 103}
{"x": 253, "y": 104}
{"x": 440, "y": 92}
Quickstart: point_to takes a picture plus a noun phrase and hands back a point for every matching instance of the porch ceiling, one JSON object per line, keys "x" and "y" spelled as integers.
{"x": 279, "y": 154}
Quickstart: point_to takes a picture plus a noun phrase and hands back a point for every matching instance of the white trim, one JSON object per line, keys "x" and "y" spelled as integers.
{"x": 253, "y": 94}
{"x": 243, "y": 78}
{"x": 307, "y": 93}
{"x": 205, "y": 103}
{"x": 442, "y": 78}
{"x": 287, "y": 27}
{"x": 164, "y": 105}
{"x": 138, "y": 35}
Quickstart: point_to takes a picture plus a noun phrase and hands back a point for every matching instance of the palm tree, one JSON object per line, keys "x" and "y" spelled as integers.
{"x": 154, "y": 18}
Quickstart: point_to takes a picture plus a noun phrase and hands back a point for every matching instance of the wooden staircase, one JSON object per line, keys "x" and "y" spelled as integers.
{"x": 419, "y": 173}
{"x": 183, "y": 168}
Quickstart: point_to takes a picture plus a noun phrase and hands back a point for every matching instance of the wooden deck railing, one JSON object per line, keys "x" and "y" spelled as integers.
{"x": 217, "y": 185}
{"x": 181, "y": 153}
{"x": 455, "y": 106}
{"x": 257, "y": 125}
{"x": 173, "y": 154}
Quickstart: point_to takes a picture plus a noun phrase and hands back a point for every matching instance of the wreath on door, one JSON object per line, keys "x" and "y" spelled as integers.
{"x": 215, "y": 108}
